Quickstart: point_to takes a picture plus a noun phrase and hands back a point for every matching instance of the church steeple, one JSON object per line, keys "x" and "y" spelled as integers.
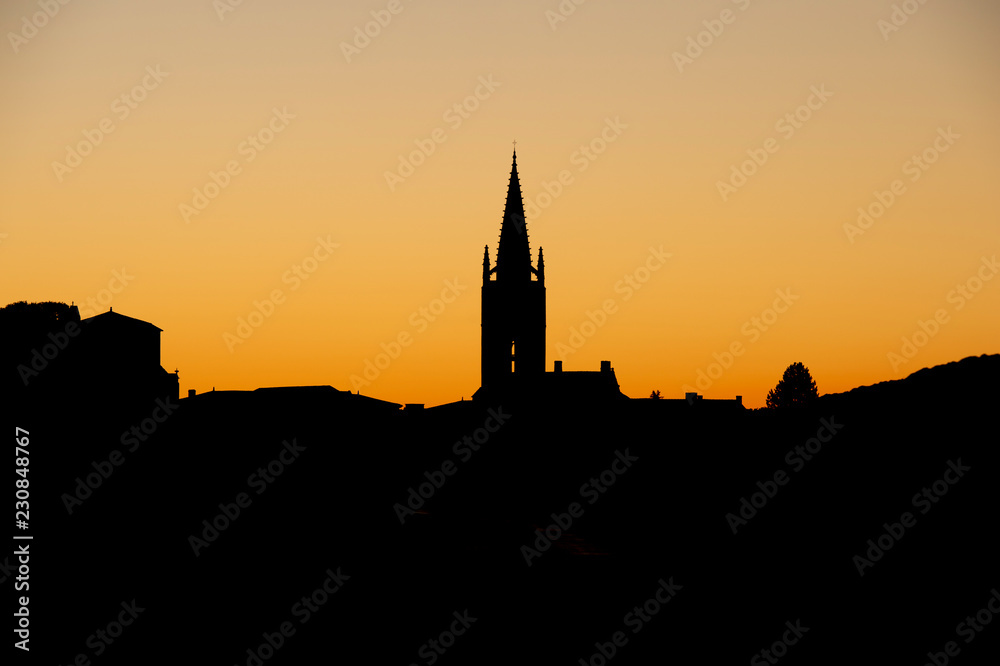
{"x": 513, "y": 303}
{"x": 514, "y": 254}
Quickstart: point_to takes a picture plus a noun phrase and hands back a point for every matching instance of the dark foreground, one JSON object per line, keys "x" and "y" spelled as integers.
{"x": 188, "y": 549}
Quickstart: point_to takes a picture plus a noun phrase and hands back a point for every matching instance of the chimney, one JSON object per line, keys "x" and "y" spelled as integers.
{"x": 191, "y": 393}
{"x": 605, "y": 366}
{"x": 558, "y": 366}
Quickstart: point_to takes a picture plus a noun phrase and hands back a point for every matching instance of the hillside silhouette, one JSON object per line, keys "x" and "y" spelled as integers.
{"x": 663, "y": 518}
{"x": 961, "y": 381}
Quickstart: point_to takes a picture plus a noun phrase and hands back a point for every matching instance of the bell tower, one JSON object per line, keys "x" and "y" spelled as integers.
{"x": 513, "y": 318}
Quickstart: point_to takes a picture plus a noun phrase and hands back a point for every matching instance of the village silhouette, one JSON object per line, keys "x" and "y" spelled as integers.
{"x": 551, "y": 519}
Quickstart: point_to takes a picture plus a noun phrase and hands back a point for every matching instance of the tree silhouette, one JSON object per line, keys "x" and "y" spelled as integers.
{"x": 655, "y": 395}
{"x": 796, "y": 388}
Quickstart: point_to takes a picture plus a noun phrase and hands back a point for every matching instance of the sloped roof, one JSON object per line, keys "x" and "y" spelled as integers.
{"x": 113, "y": 318}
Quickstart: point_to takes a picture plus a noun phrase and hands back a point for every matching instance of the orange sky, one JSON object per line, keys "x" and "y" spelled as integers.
{"x": 117, "y": 114}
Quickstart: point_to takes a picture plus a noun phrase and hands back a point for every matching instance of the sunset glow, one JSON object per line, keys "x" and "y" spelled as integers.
{"x": 721, "y": 188}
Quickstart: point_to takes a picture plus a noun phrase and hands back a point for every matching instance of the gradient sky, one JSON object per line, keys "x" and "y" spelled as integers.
{"x": 346, "y": 118}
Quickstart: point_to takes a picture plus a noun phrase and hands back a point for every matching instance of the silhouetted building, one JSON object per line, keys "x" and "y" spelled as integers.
{"x": 120, "y": 356}
{"x": 513, "y": 321}
{"x": 294, "y": 401}
{"x": 513, "y": 300}
{"x": 50, "y": 353}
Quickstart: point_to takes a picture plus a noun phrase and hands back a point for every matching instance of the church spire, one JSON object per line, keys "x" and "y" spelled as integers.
{"x": 513, "y": 323}
{"x": 514, "y": 255}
